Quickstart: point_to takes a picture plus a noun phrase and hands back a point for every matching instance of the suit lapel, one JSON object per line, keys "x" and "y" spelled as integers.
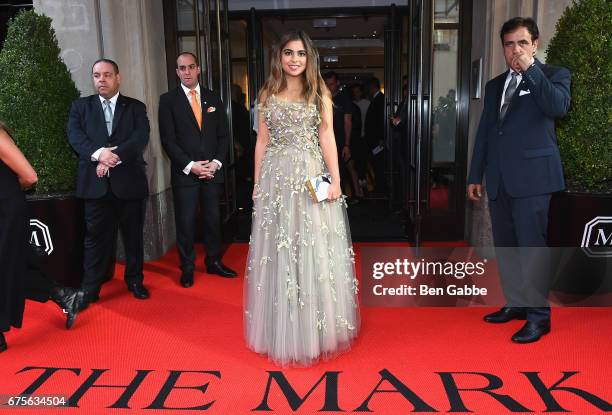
{"x": 119, "y": 109}
{"x": 514, "y": 98}
{"x": 521, "y": 87}
{"x": 98, "y": 114}
{"x": 183, "y": 102}
{"x": 204, "y": 103}
{"x": 500, "y": 93}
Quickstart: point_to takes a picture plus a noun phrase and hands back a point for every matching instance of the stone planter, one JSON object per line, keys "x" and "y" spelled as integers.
{"x": 57, "y": 228}
{"x": 580, "y": 232}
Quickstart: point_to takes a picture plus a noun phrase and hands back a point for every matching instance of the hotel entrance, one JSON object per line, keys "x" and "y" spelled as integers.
{"x": 413, "y": 183}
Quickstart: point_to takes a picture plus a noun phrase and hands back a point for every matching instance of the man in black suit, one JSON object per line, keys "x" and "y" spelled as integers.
{"x": 109, "y": 131}
{"x": 194, "y": 133}
{"x": 516, "y": 149}
{"x": 375, "y": 130}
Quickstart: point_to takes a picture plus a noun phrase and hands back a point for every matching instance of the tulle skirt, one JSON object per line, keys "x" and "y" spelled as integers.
{"x": 300, "y": 287}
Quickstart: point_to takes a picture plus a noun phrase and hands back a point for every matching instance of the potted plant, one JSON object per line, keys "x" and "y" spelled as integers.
{"x": 36, "y": 91}
{"x": 582, "y": 44}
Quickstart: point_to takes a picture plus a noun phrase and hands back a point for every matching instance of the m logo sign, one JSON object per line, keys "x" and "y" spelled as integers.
{"x": 597, "y": 237}
{"x": 40, "y": 236}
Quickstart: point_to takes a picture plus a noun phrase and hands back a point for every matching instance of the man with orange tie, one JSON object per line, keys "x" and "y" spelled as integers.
{"x": 194, "y": 133}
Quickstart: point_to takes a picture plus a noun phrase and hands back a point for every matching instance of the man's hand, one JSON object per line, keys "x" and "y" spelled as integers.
{"x": 108, "y": 158}
{"x": 474, "y": 192}
{"x": 101, "y": 170}
{"x": 197, "y": 168}
{"x": 209, "y": 169}
{"x": 204, "y": 169}
{"x": 395, "y": 121}
{"x": 346, "y": 153}
{"x": 521, "y": 60}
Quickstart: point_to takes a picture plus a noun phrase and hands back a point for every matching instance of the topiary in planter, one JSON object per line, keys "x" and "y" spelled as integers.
{"x": 36, "y": 91}
{"x": 583, "y": 44}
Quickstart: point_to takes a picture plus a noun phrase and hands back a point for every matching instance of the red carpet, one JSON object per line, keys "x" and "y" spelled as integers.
{"x": 200, "y": 329}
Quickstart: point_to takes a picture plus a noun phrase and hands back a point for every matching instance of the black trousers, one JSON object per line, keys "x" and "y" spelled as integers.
{"x": 187, "y": 199}
{"x": 519, "y": 231}
{"x": 102, "y": 219}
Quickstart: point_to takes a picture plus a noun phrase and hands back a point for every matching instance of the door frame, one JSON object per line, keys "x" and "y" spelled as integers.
{"x": 421, "y": 223}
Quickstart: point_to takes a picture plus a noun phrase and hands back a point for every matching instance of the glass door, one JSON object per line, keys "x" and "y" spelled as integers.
{"x": 438, "y": 82}
{"x": 450, "y": 59}
{"x": 418, "y": 112}
{"x": 393, "y": 102}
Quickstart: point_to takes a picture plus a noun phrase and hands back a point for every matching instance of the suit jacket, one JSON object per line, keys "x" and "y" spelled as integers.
{"x": 182, "y": 138}
{"x": 87, "y": 133}
{"x": 522, "y": 149}
{"x": 375, "y": 121}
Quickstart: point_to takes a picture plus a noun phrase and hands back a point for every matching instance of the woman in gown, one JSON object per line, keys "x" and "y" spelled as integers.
{"x": 20, "y": 277}
{"x": 300, "y": 285}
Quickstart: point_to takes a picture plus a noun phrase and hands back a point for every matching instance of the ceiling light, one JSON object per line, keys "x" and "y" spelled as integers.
{"x": 323, "y": 23}
{"x": 330, "y": 59}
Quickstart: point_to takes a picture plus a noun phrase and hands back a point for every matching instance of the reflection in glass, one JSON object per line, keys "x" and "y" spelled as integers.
{"x": 238, "y": 40}
{"x": 444, "y": 111}
{"x": 184, "y": 15}
{"x": 446, "y": 11}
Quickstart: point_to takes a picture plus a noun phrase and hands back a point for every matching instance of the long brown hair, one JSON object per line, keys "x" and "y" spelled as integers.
{"x": 313, "y": 85}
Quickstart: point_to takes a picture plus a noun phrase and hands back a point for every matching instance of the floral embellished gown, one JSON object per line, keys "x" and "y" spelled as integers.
{"x": 300, "y": 285}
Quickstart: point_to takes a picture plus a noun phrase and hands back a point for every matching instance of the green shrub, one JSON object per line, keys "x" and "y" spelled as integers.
{"x": 583, "y": 44}
{"x": 35, "y": 95}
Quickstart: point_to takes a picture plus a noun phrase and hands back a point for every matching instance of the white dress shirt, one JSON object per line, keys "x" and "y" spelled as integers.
{"x": 113, "y": 104}
{"x": 519, "y": 79}
{"x": 363, "y": 105}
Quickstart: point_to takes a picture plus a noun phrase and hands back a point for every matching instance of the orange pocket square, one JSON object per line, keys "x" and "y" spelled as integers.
{"x": 211, "y": 109}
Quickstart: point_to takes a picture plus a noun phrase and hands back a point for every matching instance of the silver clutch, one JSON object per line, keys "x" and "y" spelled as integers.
{"x": 318, "y": 187}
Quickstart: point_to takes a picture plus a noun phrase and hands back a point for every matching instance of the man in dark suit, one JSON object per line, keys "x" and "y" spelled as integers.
{"x": 375, "y": 131}
{"x": 109, "y": 131}
{"x": 516, "y": 149}
{"x": 194, "y": 133}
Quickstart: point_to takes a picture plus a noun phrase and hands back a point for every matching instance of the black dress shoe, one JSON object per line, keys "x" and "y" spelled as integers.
{"x": 186, "y": 280}
{"x": 139, "y": 290}
{"x": 531, "y": 332}
{"x": 3, "y": 345}
{"x": 506, "y": 314}
{"x": 86, "y": 299}
{"x": 69, "y": 300}
{"x": 217, "y": 267}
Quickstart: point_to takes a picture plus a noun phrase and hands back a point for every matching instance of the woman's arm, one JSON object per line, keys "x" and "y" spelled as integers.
{"x": 328, "y": 146}
{"x": 263, "y": 138}
{"x": 16, "y": 161}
